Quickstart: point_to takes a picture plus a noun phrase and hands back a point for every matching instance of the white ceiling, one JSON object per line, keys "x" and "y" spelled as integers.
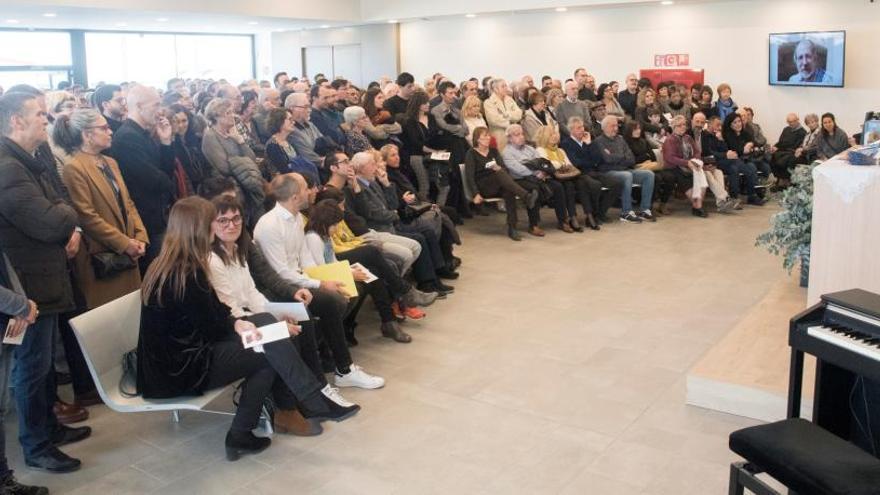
{"x": 260, "y": 16}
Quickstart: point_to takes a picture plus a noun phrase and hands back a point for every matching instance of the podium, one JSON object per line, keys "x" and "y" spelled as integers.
{"x": 845, "y": 239}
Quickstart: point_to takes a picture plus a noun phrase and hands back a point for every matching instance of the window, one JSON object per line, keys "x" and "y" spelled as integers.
{"x": 152, "y": 59}
{"x": 41, "y": 58}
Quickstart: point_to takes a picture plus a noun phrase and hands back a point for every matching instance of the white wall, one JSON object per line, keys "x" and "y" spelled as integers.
{"x": 378, "y": 48}
{"x": 727, "y": 39}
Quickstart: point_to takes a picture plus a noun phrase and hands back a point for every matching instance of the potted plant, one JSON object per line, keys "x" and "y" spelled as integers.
{"x": 790, "y": 229}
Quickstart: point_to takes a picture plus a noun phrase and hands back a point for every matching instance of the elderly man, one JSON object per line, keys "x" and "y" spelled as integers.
{"x": 782, "y": 158}
{"x": 146, "y": 165}
{"x": 572, "y": 107}
{"x": 578, "y": 146}
{"x": 306, "y": 138}
{"x": 269, "y": 98}
{"x": 712, "y": 144}
{"x": 806, "y": 58}
{"x": 617, "y": 160}
{"x": 501, "y": 111}
{"x": 35, "y": 227}
{"x": 518, "y": 156}
{"x": 627, "y": 98}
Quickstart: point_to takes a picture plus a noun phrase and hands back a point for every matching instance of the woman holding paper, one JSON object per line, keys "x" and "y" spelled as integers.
{"x": 235, "y": 287}
{"x": 323, "y": 218}
{"x": 190, "y": 342}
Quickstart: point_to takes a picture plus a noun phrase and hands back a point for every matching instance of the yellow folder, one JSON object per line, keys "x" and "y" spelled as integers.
{"x": 335, "y": 272}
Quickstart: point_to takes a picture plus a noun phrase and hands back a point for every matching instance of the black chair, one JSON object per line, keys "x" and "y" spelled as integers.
{"x": 804, "y": 457}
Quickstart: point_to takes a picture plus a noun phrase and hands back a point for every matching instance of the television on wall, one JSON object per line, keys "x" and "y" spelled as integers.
{"x": 814, "y": 58}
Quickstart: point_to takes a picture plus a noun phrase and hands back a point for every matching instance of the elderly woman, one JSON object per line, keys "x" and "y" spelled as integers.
{"x": 356, "y": 121}
{"x": 832, "y": 139}
{"x": 500, "y": 110}
{"x": 246, "y": 125}
{"x": 227, "y": 151}
{"x": 575, "y": 185}
{"x": 537, "y": 117}
{"x": 681, "y": 154}
{"x": 807, "y": 151}
{"x": 114, "y": 235}
{"x": 472, "y": 113}
{"x": 279, "y": 151}
{"x": 609, "y": 98}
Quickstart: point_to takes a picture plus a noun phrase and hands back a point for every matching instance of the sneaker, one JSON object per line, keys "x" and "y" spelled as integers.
{"x": 646, "y": 215}
{"x": 756, "y": 201}
{"x": 699, "y": 212}
{"x": 13, "y": 487}
{"x": 333, "y": 394}
{"x": 737, "y": 204}
{"x": 357, "y": 377}
{"x": 398, "y": 313}
{"x": 413, "y": 313}
{"x": 415, "y": 297}
{"x": 630, "y": 217}
{"x": 725, "y": 206}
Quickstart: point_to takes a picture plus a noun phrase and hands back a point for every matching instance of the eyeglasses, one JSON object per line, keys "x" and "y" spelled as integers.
{"x": 105, "y": 127}
{"x": 225, "y": 222}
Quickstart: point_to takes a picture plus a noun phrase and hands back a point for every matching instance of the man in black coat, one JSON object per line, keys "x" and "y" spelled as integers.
{"x": 35, "y": 228}
{"x": 146, "y": 165}
{"x": 783, "y": 158}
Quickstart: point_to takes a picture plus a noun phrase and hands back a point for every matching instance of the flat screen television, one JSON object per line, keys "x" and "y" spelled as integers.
{"x": 814, "y": 58}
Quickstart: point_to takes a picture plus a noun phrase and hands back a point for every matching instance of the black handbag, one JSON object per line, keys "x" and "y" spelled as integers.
{"x": 128, "y": 382}
{"x": 417, "y": 209}
{"x": 108, "y": 264}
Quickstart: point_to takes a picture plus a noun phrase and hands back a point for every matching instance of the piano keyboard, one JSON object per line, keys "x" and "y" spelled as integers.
{"x": 861, "y": 343}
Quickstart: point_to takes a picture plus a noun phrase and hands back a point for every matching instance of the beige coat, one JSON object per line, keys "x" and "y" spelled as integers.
{"x": 103, "y": 228}
{"x": 499, "y": 115}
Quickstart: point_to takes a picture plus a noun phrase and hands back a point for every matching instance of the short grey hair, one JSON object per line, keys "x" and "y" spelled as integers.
{"x": 284, "y": 187}
{"x": 573, "y": 121}
{"x": 811, "y": 116}
{"x": 611, "y": 118}
{"x": 266, "y": 93}
{"x": 216, "y": 108}
{"x": 360, "y": 159}
{"x": 353, "y": 114}
{"x": 11, "y": 105}
{"x": 677, "y": 120}
{"x": 495, "y": 82}
{"x": 511, "y": 128}
{"x": 296, "y": 99}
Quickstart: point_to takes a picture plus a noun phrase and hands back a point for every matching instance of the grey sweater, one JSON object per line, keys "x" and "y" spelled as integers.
{"x": 566, "y": 109}
{"x": 833, "y": 144}
{"x": 614, "y": 153}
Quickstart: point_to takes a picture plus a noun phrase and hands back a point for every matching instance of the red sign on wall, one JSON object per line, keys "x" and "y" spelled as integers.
{"x": 672, "y": 60}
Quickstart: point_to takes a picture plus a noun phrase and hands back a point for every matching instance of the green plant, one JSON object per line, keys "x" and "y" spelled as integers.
{"x": 790, "y": 229}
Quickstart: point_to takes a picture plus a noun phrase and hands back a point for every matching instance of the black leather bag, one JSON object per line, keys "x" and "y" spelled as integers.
{"x": 108, "y": 264}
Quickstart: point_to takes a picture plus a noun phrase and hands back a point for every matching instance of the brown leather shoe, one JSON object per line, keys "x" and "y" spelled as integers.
{"x": 69, "y": 413}
{"x": 565, "y": 227}
{"x": 88, "y": 399}
{"x": 292, "y": 422}
{"x": 536, "y": 231}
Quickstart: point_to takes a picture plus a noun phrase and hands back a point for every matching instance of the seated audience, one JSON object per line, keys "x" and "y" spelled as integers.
{"x": 678, "y": 104}
{"x": 576, "y": 185}
{"x": 832, "y": 139}
{"x": 608, "y": 97}
{"x": 809, "y": 148}
{"x": 279, "y": 151}
{"x": 705, "y": 104}
{"x": 397, "y": 103}
{"x": 500, "y": 111}
{"x": 627, "y": 98}
{"x": 724, "y": 105}
{"x": 713, "y": 145}
{"x": 306, "y": 139}
{"x": 647, "y": 158}
{"x": 324, "y": 115}
{"x": 740, "y": 141}
{"x": 783, "y": 157}
{"x": 647, "y": 105}
{"x": 578, "y": 146}
{"x": 450, "y": 134}
{"x": 572, "y": 106}
{"x": 190, "y": 342}
{"x": 382, "y": 126}
{"x": 269, "y": 99}
{"x": 280, "y": 233}
{"x": 489, "y": 178}
{"x": 617, "y": 160}
{"x": 356, "y": 121}
{"x": 472, "y": 113}
{"x": 418, "y": 125}
{"x": 227, "y": 151}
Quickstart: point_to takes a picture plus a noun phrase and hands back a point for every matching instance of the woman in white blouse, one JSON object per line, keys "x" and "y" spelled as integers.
{"x": 235, "y": 287}
{"x": 501, "y": 110}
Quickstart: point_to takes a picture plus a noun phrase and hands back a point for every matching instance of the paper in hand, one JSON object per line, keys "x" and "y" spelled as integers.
{"x": 268, "y": 334}
{"x": 440, "y": 156}
{"x": 370, "y": 277}
{"x": 13, "y": 340}
{"x": 284, "y": 310}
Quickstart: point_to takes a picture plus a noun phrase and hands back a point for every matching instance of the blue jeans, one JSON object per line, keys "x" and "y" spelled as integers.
{"x": 643, "y": 177}
{"x": 732, "y": 169}
{"x": 33, "y": 383}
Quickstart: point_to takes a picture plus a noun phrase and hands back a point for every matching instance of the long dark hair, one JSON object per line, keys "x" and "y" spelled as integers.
{"x": 632, "y": 125}
{"x": 224, "y": 204}
{"x": 417, "y": 99}
{"x": 369, "y": 102}
{"x": 830, "y": 116}
{"x": 324, "y": 215}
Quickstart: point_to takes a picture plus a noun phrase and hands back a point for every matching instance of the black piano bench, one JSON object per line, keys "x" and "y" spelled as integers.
{"x": 803, "y": 457}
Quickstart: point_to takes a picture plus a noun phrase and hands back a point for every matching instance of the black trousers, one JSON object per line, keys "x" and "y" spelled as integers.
{"x": 330, "y": 309}
{"x": 80, "y": 378}
{"x": 782, "y": 162}
{"x": 372, "y": 259}
{"x": 501, "y": 184}
{"x": 429, "y": 241}
{"x": 279, "y": 370}
{"x": 379, "y": 292}
{"x": 423, "y": 269}
{"x": 615, "y": 188}
{"x": 664, "y": 184}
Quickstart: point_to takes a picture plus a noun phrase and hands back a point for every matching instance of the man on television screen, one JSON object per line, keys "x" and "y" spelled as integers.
{"x": 806, "y": 58}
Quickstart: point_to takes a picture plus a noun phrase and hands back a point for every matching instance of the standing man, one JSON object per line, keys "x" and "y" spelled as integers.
{"x": 627, "y": 98}
{"x": 110, "y": 101}
{"x": 35, "y": 228}
{"x": 146, "y": 165}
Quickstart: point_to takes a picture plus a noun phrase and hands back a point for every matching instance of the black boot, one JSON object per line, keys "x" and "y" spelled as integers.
{"x": 239, "y": 443}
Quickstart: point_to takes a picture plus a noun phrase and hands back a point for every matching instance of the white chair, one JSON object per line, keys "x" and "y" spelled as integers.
{"x": 104, "y": 335}
{"x": 469, "y": 194}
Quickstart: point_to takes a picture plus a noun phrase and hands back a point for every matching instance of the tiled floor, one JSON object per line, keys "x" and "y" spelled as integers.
{"x": 557, "y": 367}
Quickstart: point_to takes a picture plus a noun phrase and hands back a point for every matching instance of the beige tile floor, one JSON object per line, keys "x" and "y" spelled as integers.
{"x": 558, "y": 366}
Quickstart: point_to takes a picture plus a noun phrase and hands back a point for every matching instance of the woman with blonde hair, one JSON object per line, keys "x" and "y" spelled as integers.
{"x": 577, "y": 186}
{"x": 647, "y": 100}
{"x": 472, "y": 113}
{"x": 190, "y": 342}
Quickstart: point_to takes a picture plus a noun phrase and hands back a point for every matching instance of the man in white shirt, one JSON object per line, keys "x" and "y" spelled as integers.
{"x": 281, "y": 236}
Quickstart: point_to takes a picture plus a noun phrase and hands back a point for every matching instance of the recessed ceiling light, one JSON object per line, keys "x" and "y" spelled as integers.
{"x": 11, "y": 21}
{"x": 50, "y": 14}
{"x": 470, "y": 16}
{"x": 392, "y": 21}
{"x": 253, "y": 23}
{"x": 162, "y": 19}
{"x": 324, "y": 26}
{"x": 561, "y": 9}
{"x": 667, "y": 2}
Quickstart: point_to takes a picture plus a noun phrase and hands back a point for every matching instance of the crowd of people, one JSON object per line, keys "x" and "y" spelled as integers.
{"x": 213, "y": 199}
